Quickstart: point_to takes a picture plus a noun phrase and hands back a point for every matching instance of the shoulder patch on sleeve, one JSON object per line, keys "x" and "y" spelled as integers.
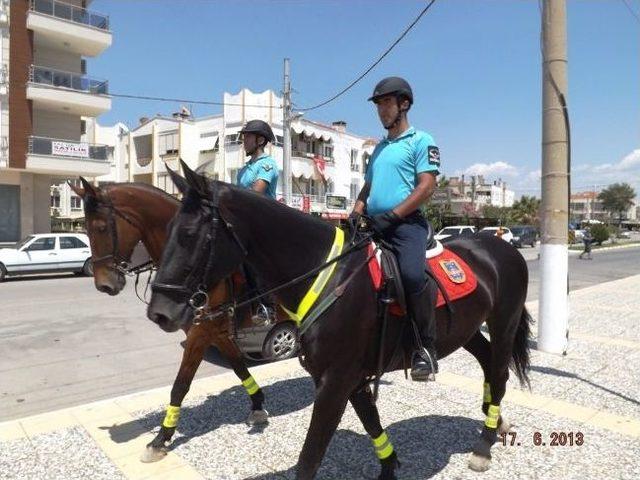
{"x": 267, "y": 167}
{"x": 434, "y": 155}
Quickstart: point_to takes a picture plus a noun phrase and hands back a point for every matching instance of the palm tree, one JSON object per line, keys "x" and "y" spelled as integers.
{"x": 527, "y": 210}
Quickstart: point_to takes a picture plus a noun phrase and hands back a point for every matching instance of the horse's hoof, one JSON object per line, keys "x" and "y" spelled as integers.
{"x": 152, "y": 454}
{"x": 478, "y": 463}
{"x": 258, "y": 417}
{"x": 504, "y": 427}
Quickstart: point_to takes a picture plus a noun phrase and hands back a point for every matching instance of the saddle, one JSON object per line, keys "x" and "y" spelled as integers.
{"x": 454, "y": 277}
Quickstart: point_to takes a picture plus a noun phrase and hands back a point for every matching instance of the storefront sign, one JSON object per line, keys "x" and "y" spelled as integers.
{"x": 66, "y": 149}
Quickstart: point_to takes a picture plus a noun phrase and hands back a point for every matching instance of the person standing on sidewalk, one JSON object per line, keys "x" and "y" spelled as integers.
{"x": 400, "y": 178}
{"x": 587, "y": 240}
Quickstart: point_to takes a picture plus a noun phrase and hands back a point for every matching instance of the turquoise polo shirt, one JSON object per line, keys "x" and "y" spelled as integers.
{"x": 262, "y": 168}
{"x": 394, "y": 167}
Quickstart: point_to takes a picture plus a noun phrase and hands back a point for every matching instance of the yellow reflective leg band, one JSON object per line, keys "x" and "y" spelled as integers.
{"x": 172, "y": 416}
{"x": 493, "y": 415}
{"x": 486, "y": 396}
{"x": 382, "y": 446}
{"x": 250, "y": 385}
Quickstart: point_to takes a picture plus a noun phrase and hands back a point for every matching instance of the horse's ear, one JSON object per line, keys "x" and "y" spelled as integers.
{"x": 79, "y": 191}
{"x": 196, "y": 181}
{"x": 180, "y": 183}
{"x": 88, "y": 188}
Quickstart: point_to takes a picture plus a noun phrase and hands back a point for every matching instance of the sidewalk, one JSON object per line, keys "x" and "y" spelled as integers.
{"x": 593, "y": 390}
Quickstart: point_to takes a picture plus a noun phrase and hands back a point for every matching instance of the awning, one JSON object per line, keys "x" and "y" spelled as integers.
{"x": 311, "y": 131}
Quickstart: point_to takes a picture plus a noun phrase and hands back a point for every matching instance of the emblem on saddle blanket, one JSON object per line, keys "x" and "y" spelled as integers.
{"x": 453, "y": 270}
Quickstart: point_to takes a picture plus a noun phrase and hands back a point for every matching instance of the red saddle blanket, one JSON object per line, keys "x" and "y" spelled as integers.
{"x": 453, "y": 274}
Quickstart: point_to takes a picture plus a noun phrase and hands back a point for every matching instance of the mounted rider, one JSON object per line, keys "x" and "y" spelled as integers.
{"x": 259, "y": 174}
{"x": 400, "y": 178}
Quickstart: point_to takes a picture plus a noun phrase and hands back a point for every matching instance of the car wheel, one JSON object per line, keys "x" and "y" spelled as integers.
{"x": 87, "y": 268}
{"x": 281, "y": 343}
{"x": 3, "y": 272}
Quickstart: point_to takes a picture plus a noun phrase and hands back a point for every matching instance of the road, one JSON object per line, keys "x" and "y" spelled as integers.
{"x": 64, "y": 343}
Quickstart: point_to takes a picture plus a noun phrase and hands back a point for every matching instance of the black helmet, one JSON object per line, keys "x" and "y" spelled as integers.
{"x": 391, "y": 85}
{"x": 260, "y": 128}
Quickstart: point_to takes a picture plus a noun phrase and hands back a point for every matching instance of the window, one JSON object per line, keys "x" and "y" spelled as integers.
{"x": 354, "y": 191}
{"x": 168, "y": 143}
{"x": 365, "y": 161}
{"x": 232, "y": 139}
{"x": 55, "y": 200}
{"x": 71, "y": 242}
{"x": 45, "y": 243}
{"x": 279, "y": 140}
{"x": 328, "y": 151}
{"x": 165, "y": 183}
{"x": 76, "y": 203}
{"x": 354, "y": 160}
{"x": 83, "y": 127}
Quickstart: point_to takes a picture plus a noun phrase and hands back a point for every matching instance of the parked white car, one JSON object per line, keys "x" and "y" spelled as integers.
{"x": 454, "y": 231}
{"x": 507, "y": 235}
{"x": 47, "y": 253}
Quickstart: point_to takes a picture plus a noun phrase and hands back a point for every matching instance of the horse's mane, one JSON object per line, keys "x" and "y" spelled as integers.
{"x": 268, "y": 206}
{"x": 92, "y": 203}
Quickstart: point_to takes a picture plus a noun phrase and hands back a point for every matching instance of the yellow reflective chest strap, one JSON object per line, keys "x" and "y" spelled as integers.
{"x": 320, "y": 282}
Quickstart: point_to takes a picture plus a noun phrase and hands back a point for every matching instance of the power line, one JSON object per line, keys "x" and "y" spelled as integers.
{"x": 631, "y": 10}
{"x": 387, "y": 51}
{"x": 184, "y": 100}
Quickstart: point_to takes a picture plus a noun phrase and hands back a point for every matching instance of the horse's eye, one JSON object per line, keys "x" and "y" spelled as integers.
{"x": 102, "y": 228}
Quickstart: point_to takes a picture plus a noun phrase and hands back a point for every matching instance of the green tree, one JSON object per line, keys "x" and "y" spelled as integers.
{"x": 526, "y": 210}
{"x": 600, "y": 233}
{"x": 502, "y": 215}
{"x": 617, "y": 199}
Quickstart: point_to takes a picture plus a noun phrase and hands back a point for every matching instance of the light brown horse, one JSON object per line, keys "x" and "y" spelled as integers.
{"x": 119, "y": 216}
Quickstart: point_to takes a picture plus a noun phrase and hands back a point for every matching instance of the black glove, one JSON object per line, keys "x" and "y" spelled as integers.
{"x": 384, "y": 221}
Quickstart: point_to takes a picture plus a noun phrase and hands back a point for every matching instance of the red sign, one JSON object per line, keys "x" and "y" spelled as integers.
{"x": 306, "y": 204}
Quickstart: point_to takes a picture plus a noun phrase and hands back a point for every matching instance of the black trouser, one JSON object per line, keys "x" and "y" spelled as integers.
{"x": 409, "y": 240}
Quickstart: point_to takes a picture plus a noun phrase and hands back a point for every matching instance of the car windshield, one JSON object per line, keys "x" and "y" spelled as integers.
{"x": 448, "y": 231}
{"x": 23, "y": 242}
{"x": 517, "y": 230}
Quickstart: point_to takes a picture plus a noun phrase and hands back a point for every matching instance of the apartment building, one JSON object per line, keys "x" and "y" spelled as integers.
{"x": 45, "y": 49}
{"x": 328, "y": 162}
{"x": 586, "y": 206}
{"x": 473, "y": 192}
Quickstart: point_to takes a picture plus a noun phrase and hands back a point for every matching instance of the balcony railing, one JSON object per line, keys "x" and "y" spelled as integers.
{"x": 74, "y": 81}
{"x": 311, "y": 155}
{"x": 54, "y": 147}
{"x": 71, "y": 13}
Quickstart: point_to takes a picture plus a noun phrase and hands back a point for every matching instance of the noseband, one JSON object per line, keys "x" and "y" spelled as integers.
{"x": 120, "y": 264}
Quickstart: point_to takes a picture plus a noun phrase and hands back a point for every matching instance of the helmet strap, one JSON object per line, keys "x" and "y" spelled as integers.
{"x": 398, "y": 118}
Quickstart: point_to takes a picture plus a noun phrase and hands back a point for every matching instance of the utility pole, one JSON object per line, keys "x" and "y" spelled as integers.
{"x": 553, "y": 303}
{"x": 286, "y": 134}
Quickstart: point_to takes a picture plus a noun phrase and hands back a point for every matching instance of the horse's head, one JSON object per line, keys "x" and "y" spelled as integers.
{"x": 202, "y": 249}
{"x": 112, "y": 234}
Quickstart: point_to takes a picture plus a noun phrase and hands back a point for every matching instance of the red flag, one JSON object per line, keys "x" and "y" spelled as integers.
{"x": 320, "y": 165}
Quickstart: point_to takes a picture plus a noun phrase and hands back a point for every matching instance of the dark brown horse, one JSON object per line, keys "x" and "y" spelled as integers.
{"x": 119, "y": 216}
{"x": 219, "y": 226}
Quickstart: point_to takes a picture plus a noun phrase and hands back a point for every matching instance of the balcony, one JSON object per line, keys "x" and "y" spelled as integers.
{"x": 69, "y": 92}
{"x": 62, "y": 26}
{"x": 67, "y": 157}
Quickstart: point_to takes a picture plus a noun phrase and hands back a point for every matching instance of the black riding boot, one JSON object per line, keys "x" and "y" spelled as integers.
{"x": 424, "y": 362}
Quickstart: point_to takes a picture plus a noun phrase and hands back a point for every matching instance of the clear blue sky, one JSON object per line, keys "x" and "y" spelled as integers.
{"x": 474, "y": 66}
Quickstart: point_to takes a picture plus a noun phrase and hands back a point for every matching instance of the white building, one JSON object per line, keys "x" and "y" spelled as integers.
{"x": 213, "y": 145}
{"x": 45, "y": 45}
{"x": 474, "y": 193}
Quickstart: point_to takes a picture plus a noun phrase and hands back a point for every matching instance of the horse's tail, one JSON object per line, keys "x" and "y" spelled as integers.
{"x": 521, "y": 361}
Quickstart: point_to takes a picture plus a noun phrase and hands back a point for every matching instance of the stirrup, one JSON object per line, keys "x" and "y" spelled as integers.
{"x": 262, "y": 315}
{"x": 420, "y": 374}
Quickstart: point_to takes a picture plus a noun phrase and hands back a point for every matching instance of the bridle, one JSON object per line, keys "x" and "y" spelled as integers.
{"x": 194, "y": 287}
{"x": 120, "y": 263}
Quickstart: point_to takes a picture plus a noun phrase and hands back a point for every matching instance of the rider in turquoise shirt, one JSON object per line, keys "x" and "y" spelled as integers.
{"x": 260, "y": 173}
{"x": 400, "y": 178}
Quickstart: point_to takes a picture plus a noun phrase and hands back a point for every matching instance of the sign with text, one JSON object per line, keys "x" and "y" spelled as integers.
{"x": 67, "y": 149}
{"x": 335, "y": 202}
